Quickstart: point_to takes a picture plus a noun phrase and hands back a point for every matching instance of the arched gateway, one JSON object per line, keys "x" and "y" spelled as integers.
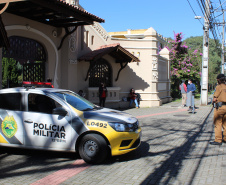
{"x": 29, "y": 57}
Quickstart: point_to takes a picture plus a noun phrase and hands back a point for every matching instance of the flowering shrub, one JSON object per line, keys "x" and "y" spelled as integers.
{"x": 185, "y": 64}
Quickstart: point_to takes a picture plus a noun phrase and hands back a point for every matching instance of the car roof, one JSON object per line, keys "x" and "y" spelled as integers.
{"x": 33, "y": 90}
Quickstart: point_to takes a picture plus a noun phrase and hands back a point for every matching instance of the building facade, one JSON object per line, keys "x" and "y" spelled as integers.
{"x": 154, "y": 68}
{"x": 77, "y": 53}
{"x": 44, "y": 38}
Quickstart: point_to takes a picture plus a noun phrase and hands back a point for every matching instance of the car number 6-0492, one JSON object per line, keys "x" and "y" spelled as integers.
{"x": 96, "y": 124}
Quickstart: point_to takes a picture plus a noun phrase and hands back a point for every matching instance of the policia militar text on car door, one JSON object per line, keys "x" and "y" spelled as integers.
{"x": 61, "y": 120}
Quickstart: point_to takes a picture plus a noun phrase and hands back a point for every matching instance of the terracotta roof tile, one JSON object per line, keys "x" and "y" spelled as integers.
{"x": 63, "y": 2}
{"x": 109, "y": 49}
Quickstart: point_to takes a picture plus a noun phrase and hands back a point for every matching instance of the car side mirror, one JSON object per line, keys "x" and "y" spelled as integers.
{"x": 60, "y": 111}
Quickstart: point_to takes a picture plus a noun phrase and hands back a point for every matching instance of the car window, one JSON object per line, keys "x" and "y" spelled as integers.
{"x": 75, "y": 100}
{"x": 41, "y": 103}
{"x": 10, "y": 101}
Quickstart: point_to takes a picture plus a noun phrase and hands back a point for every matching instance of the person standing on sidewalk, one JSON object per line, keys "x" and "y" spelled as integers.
{"x": 191, "y": 96}
{"x": 219, "y": 99}
{"x": 183, "y": 89}
{"x": 102, "y": 94}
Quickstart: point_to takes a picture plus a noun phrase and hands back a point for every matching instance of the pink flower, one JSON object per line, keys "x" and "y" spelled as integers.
{"x": 200, "y": 54}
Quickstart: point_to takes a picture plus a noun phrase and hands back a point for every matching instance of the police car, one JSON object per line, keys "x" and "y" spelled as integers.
{"x": 61, "y": 120}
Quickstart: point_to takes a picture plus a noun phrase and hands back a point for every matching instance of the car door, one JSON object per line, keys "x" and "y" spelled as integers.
{"x": 43, "y": 129}
{"x": 11, "y": 127}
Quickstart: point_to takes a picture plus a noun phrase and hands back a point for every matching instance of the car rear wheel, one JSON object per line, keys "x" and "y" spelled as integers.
{"x": 93, "y": 148}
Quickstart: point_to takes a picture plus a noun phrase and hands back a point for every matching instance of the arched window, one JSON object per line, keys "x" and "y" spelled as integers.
{"x": 28, "y": 57}
{"x": 101, "y": 72}
{"x": 25, "y": 50}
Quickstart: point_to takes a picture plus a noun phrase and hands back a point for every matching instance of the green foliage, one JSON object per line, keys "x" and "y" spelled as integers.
{"x": 11, "y": 72}
{"x": 214, "y": 57}
{"x": 186, "y": 62}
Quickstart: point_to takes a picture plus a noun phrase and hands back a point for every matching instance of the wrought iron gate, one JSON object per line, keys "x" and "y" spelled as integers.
{"x": 31, "y": 54}
{"x": 34, "y": 72}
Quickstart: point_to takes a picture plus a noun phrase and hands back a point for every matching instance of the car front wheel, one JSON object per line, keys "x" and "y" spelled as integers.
{"x": 93, "y": 148}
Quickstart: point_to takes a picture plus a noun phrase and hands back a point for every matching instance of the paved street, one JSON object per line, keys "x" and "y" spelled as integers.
{"x": 174, "y": 150}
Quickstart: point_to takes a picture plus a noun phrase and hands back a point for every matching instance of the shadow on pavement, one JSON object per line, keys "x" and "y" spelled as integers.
{"x": 170, "y": 168}
{"x": 32, "y": 162}
{"x": 38, "y": 153}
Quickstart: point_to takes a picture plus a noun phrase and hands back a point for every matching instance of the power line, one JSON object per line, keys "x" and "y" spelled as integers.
{"x": 209, "y": 17}
{"x": 221, "y": 5}
{"x": 218, "y": 16}
{"x": 200, "y": 7}
{"x": 194, "y": 11}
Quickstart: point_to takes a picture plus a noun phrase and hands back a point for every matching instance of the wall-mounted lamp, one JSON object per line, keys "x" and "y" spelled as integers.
{"x": 198, "y": 17}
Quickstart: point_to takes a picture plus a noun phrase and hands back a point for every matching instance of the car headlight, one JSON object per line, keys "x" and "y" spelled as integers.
{"x": 123, "y": 127}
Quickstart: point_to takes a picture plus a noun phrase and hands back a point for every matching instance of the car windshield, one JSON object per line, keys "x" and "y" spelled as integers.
{"x": 75, "y": 100}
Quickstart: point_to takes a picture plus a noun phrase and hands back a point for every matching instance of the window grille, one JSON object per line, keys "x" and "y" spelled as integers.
{"x": 34, "y": 72}
{"x": 24, "y": 49}
{"x": 31, "y": 54}
{"x": 101, "y": 72}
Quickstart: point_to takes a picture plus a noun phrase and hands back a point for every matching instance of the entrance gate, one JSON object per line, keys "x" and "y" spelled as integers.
{"x": 30, "y": 54}
{"x": 34, "y": 72}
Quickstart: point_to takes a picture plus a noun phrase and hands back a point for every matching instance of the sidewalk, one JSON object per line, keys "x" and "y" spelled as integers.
{"x": 175, "y": 150}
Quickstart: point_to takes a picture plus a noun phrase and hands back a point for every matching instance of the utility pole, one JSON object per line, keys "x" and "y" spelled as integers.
{"x": 222, "y": 47}
{"x": 205, "y": 57}
{"x": 222, "y": 54}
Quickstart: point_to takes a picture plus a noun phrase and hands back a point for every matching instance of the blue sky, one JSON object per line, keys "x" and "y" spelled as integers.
{"x": 165, "y": 16}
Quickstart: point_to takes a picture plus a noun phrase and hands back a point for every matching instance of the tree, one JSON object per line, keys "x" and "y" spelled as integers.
{"x": 185, "y": 64}
{"x": 214, "y": 57}
{"x": 11, "y": 72}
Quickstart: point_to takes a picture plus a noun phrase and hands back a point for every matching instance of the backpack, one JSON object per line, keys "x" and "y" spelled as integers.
{"x": 138, "y": 96}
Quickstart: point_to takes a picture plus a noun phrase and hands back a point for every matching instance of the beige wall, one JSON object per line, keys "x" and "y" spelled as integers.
{"x": 152, "y": 84}
{"x": 63, "y": 67}
{"x": 76, "y": 73}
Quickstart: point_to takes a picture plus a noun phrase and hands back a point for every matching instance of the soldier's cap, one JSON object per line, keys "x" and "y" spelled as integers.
{"x": 220, "y": 76}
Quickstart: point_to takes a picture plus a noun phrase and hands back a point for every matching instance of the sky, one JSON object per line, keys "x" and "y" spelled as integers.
{"x": 165, "y": 16}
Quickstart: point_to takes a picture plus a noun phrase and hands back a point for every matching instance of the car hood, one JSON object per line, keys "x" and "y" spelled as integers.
{"x": 109, "y": 115}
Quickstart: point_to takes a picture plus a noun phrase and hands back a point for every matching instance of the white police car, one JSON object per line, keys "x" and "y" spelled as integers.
{"x": 61, "y": 120}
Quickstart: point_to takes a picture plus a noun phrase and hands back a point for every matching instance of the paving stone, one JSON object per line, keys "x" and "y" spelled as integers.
{"x": 174, "y": 150}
